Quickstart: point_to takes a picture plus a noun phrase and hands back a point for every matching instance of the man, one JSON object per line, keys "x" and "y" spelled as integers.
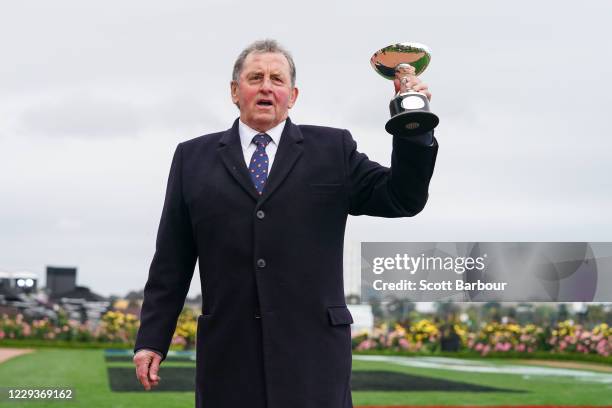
{"x": 274, "y": 330}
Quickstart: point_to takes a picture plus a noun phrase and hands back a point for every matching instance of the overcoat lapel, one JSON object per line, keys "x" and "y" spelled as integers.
{"x": 231, "y": 154}
{"x": 289, "y": 151}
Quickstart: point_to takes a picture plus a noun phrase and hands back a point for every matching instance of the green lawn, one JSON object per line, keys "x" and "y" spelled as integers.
{"x": 86, "y": 371}
{"x": 534, "y": 390}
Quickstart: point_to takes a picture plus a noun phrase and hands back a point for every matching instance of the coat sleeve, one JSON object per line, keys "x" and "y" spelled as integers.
{"x": 399, "y": 191}
{"x": 172, "y": 267}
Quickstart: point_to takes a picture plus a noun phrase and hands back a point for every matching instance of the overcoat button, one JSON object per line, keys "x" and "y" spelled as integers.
{"x": 261, "y": 263}
{"x": 260, "y": 214}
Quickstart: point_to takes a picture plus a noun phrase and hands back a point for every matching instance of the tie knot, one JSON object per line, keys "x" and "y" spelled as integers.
{"x": 262, "y": 139}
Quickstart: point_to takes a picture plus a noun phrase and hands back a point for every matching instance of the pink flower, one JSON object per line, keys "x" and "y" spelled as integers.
{"x": 365, "y": 345}
{"x": 502, "y": 346}
{"x": 179, "y": 340}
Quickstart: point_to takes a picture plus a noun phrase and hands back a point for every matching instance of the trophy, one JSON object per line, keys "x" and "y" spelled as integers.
{"x": 410, "y": 113}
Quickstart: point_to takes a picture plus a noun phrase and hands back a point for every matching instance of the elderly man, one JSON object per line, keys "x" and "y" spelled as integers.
{"x": 263, "y": 207}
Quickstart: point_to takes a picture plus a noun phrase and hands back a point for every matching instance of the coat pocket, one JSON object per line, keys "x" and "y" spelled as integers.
{"x": 339, "y": 315}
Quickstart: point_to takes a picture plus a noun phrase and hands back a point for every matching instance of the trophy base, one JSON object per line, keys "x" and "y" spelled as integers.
{"x": 411, "y": 122}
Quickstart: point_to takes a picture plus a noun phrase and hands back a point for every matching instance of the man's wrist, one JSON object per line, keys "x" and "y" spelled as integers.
{"x": 424, "y": 139}
{"x": 153, "y": 350}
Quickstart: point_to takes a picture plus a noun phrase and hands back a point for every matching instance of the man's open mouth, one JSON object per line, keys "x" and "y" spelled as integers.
{"x": 264, "y": 102}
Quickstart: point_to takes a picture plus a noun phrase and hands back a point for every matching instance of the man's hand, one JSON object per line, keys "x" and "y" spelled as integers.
{"x": 147, "y": 366}
{"x": 415, "y": 84}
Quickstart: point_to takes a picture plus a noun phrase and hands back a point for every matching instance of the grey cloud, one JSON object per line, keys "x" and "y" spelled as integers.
{"x": 82, "y": 115}
{"x": 91, "y": 114}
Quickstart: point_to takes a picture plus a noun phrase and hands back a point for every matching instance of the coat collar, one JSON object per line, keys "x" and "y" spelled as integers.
{"x": 289, "y": 150}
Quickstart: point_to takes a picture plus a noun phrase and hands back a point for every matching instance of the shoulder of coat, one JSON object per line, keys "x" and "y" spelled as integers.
{"x": 211, "y": 138}
{"x": 315, "y": 131}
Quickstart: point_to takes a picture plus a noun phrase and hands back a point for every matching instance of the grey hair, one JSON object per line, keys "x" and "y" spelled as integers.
{"x": 262, "y": 46}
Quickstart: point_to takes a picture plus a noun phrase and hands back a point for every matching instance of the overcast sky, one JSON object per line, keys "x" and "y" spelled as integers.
{"x": 95, "y": 96}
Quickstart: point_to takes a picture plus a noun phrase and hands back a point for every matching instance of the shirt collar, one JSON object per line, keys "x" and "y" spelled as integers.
{"x": 247, "y": 134}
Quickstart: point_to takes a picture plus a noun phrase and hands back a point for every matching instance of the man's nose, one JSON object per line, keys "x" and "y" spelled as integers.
{"x": 266, "y": 84}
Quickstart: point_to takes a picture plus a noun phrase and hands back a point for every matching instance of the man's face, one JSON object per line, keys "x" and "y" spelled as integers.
{"x": 263, "y": 92}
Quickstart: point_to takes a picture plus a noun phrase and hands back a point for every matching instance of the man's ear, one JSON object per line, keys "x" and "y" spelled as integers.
{"x": 234, "y": 91}
{"x": 293, "y": 97}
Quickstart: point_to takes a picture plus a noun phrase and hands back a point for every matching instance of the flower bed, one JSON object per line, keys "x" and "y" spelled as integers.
{"x": 115, "y": 328}
{"x": 422, "y": 337}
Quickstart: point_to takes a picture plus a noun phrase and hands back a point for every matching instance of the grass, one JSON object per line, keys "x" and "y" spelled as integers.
{"x": 470, "y": 354}
{"x": 538, "y": 390}
{"x": 86, "y": 372}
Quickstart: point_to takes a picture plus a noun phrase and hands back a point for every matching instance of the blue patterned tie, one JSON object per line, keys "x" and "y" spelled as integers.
{"x": 258, "y": 169}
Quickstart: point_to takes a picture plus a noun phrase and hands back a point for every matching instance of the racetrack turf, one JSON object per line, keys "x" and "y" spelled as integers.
{"x": 375, "y": 383}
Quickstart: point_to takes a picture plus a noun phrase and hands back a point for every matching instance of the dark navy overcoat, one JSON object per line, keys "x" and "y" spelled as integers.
{"x": 274, "y": 330}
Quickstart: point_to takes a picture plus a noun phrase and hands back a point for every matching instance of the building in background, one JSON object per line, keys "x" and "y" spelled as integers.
{"x": 60, "y": 280}
{"x": 79, "y": 301}
{"x": 12, "y": 283}
{"x": 20, "y": 292}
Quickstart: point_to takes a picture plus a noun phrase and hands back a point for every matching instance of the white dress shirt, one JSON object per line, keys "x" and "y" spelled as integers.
{"x": 248, "y": 147}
